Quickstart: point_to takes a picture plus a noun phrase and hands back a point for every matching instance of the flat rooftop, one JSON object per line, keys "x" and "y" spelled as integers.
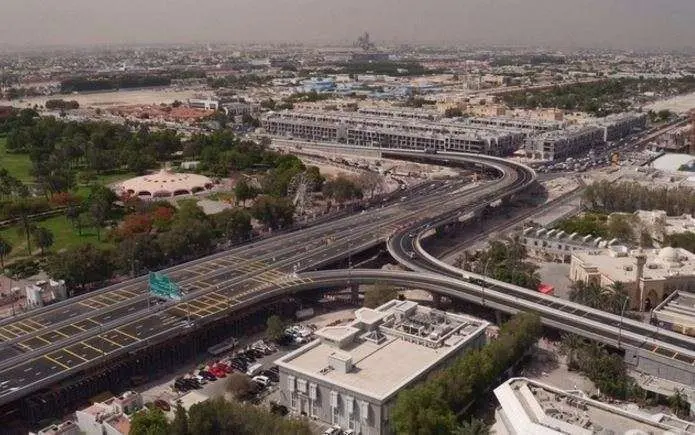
{"x": 619, "y": 264}
{"x": 533, "y": 407}
{"x": 385, "y": 349}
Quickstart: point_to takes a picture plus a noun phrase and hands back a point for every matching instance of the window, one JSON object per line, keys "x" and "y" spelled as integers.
{"x": 293, "y": 401}
{"x": 364, "y": 411}
{"x": 290, "y": 383}
{"x": 313, "y": 393}
{"x": 334, "y": 399}
{"x": 350, "y": 403}
{"x": 302, "y": 385}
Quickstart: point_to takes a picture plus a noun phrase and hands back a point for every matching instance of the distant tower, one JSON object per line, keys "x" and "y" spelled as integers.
{"x": 641, "y": 261}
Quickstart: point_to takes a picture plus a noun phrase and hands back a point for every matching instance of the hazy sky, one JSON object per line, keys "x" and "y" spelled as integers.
{"x": 611, "y": 23}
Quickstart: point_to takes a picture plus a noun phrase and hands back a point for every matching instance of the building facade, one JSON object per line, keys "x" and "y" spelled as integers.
{"x": 649, "y": 276}
{"x": 351, "y": 375}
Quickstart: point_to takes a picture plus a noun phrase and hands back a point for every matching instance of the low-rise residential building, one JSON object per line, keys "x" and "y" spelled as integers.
{"x": 648, "y": 276}
{"x": 561, "y": 144}
{"x": 65, "y": 428}
{"x": 531, "y": 407}
{"x": 620, "y": 125}
{"x": 351, "y": 374}
{"x": 557, "y": 245}
{"x": 659, "y": 224}
{"x": 110, "y": 416}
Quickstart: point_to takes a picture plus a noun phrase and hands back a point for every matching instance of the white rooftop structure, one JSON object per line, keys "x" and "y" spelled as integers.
{"x": 389, "y": 347}
{"x": 165, "y": 184}
{"x": 530, "y": 407}
{"x": 351, "y": 374}
{"x": 677, "y": 313}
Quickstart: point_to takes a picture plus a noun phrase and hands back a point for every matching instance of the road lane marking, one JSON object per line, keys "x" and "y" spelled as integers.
{"x": 127, "y": 335}
{"x": 85, "y": 344}
{"x": 103, "y": 337}
{"x": 53, "y": 360}
{"x": 74, "y": 354}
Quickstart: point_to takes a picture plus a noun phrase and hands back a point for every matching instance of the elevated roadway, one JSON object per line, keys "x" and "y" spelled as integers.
{"x": 50, "y": 344}
{"x": 658, "y": 351}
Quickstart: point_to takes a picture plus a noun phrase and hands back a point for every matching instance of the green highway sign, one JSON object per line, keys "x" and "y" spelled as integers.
{"x": 162, "y": 286}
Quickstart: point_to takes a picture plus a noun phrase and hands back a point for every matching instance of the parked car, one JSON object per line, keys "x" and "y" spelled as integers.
{"x": 271, "y": 375}
{"x": 262, "y": 380}
{"x": 207, "y": 375}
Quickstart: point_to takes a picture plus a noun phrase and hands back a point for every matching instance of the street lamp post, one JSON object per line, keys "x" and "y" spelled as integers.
{"x": 622, "y": 314}
{"x": 487, "y": 263}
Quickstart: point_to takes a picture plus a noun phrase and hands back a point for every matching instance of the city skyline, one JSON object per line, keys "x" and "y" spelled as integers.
{"x": 638, "y": 24}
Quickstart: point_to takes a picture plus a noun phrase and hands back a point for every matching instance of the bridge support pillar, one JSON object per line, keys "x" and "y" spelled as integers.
{"x": 437, "y": 300}
{"x": 355, "y": 293}
{"x": 498, "y": 317}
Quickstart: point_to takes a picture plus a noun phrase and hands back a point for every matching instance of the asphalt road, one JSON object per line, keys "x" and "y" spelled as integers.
{"x": 59, "y": 340}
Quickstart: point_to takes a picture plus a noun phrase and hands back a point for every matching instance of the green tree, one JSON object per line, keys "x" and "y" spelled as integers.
{"x": 179, "y": 426}
{"x": 233, "y": 225}
{"x": 81, "y": 265}
{"x": 274, "y": 213}
{"x": 43, "y": 237}
{"x": 149, "y": 422}
{"x": 243, "y": 192}
{"x": 679, "y": 405}
{"x": 240, "y": 385}
{"x": 275, "y": 328}
{"x": 100, "y": 205}
{"x": 473, "y": 426}
{"x": 342, "y": 189}
{"x": 5, "y": 250}
{"x": 379, "y": 294}
{"x": 422, "y": 411}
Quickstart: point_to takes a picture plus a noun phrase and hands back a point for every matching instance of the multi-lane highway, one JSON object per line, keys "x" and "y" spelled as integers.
{"x": 676, "y": 352}
{"x": 49, "y": 344}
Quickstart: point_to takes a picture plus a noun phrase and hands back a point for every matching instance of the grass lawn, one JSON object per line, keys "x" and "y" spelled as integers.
{"x": 63, "y": 234}
{"x": 18, "y": 165}
{"x": 82, "y": 190}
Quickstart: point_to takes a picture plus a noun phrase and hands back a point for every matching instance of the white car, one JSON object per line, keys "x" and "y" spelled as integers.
{"x": 263, "y": 380}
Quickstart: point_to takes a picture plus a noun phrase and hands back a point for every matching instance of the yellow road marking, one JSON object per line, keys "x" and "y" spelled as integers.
{"x": 4, "y": 337}
{"x": 53, "y": 360}
{"x": 57, "y": 331}
{"x": 74, "y": 354}
{"x": 25, "y": 346}
{"x": 85, "y": 344}
{"x": 43, "y": 339}
{"x": 103, "y": 337}
{"x": 39, "y": 325}
{"x": 127, "y": 335}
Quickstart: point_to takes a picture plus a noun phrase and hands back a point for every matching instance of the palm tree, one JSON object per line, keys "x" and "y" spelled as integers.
{"x": 5, "y": 249}
{"x": 43, "y": 238}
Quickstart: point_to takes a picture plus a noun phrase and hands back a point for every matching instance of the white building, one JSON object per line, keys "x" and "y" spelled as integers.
{"x": 109, "y": 417}
{"x": 528, "y": 407}
{"x": 351, "y": 375}
{"x": 558, "y": 245}
{"x": 64, "y": 428}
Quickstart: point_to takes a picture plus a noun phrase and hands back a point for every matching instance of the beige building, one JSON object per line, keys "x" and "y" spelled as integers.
{"x": 350, "y": 376}
{"x": 649, "y": 275}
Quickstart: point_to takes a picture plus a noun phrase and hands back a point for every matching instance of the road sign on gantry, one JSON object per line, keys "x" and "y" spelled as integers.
{"x": 162, "y": 286}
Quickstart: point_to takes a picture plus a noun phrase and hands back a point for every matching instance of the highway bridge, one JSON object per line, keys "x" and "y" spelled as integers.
{"x": 47, "y": 345}
{"x": 655, "y": 350}
{"x": 87, "y": 336}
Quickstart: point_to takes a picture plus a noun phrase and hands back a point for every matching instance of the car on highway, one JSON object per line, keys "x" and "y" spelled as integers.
{"x": 207, "y": 375}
